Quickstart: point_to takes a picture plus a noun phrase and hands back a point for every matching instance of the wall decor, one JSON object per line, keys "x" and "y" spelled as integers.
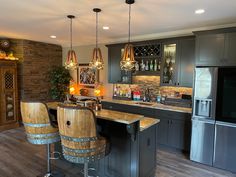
{"x": 86, "y": 75}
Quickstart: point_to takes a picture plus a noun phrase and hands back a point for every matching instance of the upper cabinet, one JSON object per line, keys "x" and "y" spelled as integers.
{"x": 178, "y": 62}
{"x": 172, "y": 59}
{"x": 216, "y": 47}
{"x": 115, "y": 74}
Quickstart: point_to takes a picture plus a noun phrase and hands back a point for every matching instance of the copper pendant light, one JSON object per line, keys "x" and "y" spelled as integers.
{"x": 71, "y": 60}
{"x": 97, "y": 62}
{"x": 127, "y": 62}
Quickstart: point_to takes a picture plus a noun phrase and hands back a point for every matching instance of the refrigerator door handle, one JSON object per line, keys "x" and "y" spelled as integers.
{"x": 226, "y": 124}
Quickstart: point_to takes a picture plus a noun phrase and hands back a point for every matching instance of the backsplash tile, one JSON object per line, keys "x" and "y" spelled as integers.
{"x": 153, "y": 84}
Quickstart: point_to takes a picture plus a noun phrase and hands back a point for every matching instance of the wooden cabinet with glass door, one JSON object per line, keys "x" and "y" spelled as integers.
{"x": 8, "y": 95}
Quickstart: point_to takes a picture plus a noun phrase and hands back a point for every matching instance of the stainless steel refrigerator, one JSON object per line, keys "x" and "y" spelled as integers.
{"x": 213, "y": 139}
{"x": 203, "y": 119}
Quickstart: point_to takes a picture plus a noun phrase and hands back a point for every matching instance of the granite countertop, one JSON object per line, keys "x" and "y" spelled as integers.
{"x": 153, "y": 105}
{"x": 115, "y": 116}
{"x": 147, "y": 122}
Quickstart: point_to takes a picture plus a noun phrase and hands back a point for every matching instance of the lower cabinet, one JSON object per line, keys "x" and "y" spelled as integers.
{"x": 174, "y": 133}
{"x": 174, "y": 129}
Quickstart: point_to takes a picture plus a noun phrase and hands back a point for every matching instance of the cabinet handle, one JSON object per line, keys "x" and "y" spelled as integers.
{"x": 178, "y": 83}
{"x": 171, "y": 121}
{"x": 168, "y": 121}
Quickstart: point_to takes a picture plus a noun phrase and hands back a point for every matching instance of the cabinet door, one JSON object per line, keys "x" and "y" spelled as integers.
{"x": 179, "y": 134}
{"x": 186, "y": 62}
{"x": 114, "y": 56}
{"x": 230, "y": 52}
{"x": 8, "y": 96}
{"x": 169, "y": 64}
{"x": 115, "y": 74}
{"x": 210, "y": 49}
{"x": 162, "y": 131}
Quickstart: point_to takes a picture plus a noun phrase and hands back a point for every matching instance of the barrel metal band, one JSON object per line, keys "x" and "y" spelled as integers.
{"x": 78, "y": 139}
{"x": 36, "y": 125}
{"x": 42, "y": 135}
{"x": 84, "y": 150}
{"x": 83, "y": 159}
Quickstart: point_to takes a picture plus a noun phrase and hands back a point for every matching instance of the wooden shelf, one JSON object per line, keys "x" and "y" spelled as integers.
{"x": 146, "y": 73}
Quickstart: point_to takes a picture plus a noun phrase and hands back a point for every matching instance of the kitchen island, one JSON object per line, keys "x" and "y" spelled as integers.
{"x": 132, "y": 140}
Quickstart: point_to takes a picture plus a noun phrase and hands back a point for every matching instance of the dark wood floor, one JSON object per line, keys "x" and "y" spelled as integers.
{"x": 18, "y": 158}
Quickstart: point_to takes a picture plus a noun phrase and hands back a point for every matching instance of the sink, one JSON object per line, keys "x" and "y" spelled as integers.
{"x": 145, "y": 103}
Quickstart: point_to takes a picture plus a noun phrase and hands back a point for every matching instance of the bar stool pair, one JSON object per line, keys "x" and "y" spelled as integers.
{"x": 78, "y": 134}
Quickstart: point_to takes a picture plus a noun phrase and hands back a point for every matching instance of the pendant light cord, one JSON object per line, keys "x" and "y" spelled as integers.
{"x": 129, "y": 23}
{"x": 71, "y": 33}
{"x": 96, "y": 31}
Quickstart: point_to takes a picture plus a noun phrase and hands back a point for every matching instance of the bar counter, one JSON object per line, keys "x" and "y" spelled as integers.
{"x": 132, "y": 139}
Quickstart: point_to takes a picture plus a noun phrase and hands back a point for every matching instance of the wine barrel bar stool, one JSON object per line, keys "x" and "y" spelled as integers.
{"x": 40, "y": 129}
{"x": 79, "y": 137}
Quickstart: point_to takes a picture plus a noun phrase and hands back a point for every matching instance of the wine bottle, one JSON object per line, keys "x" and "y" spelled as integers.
{"x": 142, "y": 66}
{"x": 146, "y": 66}
{"x": 151, "y": 66}
{"x": 155, "y": 65}
{"x": 136, "y": 66}
{"x": 159, "y": 66}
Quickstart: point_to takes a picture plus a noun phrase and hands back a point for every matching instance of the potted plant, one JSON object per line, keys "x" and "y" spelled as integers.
{"x": 59, "y": 80}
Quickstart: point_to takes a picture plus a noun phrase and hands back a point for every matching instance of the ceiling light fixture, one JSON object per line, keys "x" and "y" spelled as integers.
{"x": 71, "y": 60}
{"x": 97, "y": 61}
{"x": 127, "y": 62}
{"x": 199, "y": 11}
{"x": 106, "y": 27}
{"x": 53, "y": 36}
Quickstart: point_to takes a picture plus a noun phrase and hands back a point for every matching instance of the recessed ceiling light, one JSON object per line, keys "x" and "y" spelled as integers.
{"x": 199, "y": 11}
{"x": 53, "y": 37}
{"x": 106, "y": 27}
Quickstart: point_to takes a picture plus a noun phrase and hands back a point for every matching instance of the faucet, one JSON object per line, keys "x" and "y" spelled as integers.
{"x": 147, "y": 96}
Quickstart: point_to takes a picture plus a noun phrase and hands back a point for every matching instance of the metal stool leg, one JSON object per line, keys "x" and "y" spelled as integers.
{"x": 49, "y": 172}
{"x": 86, "y": 169}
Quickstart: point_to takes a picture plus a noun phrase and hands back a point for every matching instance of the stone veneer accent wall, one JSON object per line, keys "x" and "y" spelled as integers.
{"x": 153, "y": 83}
{"x": 35, "y": 60}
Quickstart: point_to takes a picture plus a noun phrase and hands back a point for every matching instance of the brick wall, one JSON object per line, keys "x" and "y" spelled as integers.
{"x": 35, "y": 60}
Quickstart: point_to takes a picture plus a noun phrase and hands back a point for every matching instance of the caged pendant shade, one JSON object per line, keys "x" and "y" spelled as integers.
{"x": 127, "y": 62}
{"x": 71, "y": 60}
{"x": 97, "y": 62}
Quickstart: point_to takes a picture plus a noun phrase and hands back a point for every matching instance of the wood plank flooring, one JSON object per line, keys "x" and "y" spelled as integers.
{"x": 18, "y": 158}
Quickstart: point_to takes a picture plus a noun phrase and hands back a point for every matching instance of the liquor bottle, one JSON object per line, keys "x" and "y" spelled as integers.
{"x": 136, "y": 66}
{"x": 159, "y": 66}
{"x": 155, "y": 65}
{"x": 151, "y": 66}
{"x": 146, "y": 66}
{"x": 142, "y": 66}
{"x": 115, "y": 91}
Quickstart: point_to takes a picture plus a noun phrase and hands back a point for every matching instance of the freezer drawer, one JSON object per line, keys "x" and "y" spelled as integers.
{"x": 225, "y": 146}
{"x": 202, "y": 141}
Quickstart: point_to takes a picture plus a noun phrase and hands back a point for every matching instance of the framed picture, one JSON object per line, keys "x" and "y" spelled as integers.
{"x": 86, "y": 76}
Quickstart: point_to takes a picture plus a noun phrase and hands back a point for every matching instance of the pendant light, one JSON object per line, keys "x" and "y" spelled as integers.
{"x": 97, "y": 61}
{"x": 71, "y": 60}
{"x": 127, "y": 62}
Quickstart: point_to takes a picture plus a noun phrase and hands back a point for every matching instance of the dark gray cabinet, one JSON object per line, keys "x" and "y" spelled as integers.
{"x": 210, "y": 49}
{"x": 115, "y": 74}
{"x": 174, "y": 129}
{"x": 178, "y": 63}
{"x": 216, "y": 47}
{"x": 186, "y": 62}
